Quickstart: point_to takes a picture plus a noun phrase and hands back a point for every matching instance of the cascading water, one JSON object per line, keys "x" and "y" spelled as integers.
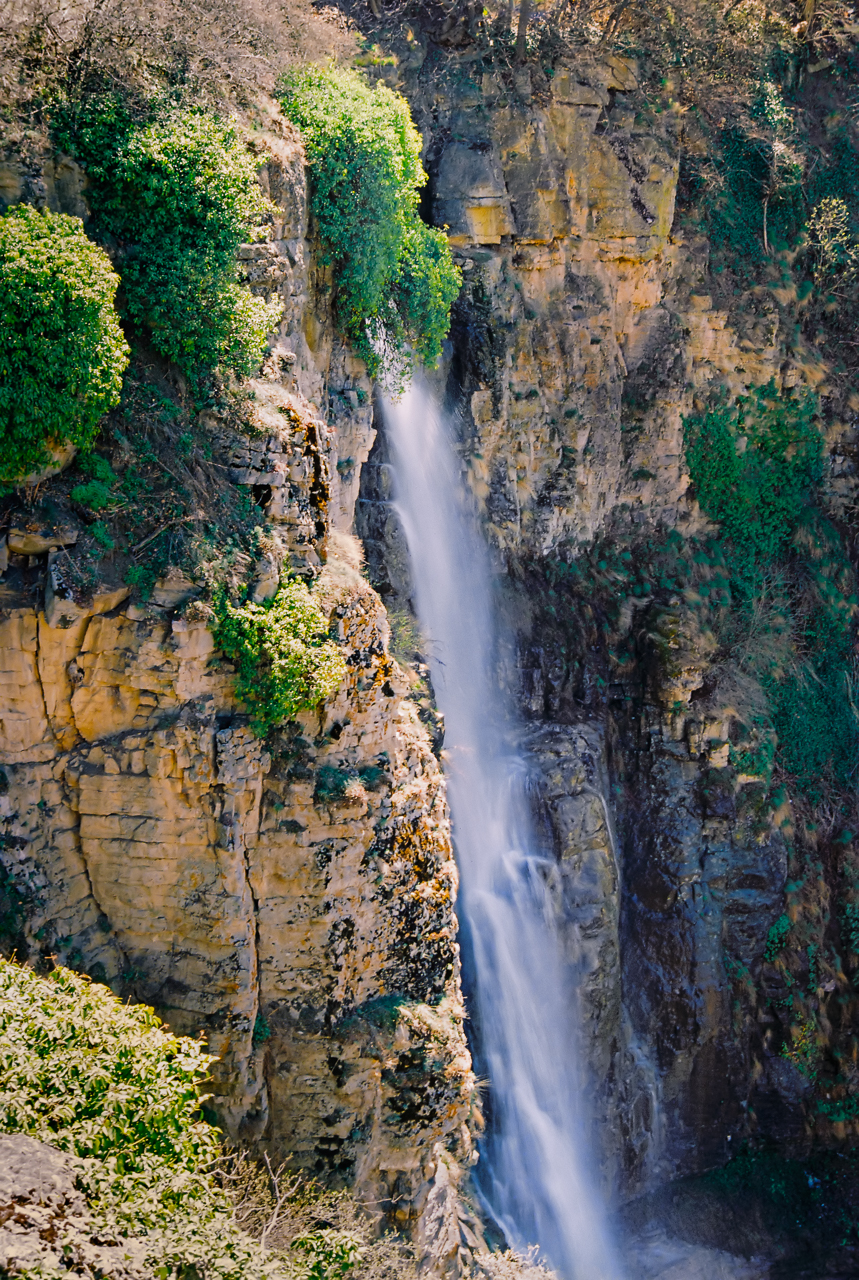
{"x": 533, "y": 1171}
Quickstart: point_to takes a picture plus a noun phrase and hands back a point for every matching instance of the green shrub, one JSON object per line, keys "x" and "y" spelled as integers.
{"x": 756, "y": 491}
{"x": 97, "y": 492}
{"x": 394, "y": 277}
{"x": 777, "y": 938}
{"x": 834, "y": 250}
{"x": 95, "y": 1077}
{"x": 283, "y": 658}
{"x": 838, "y": 176}
{"x": 181, "y": 193}
{"x": 105, "y": 1082}
{"x": 62, "y": 352}
{"x": 850, "y": 925}
{"x": 101, "y": 534}
{"x": 758, "y": 205}
{"x": 332, "y": 783}
{"x": 330, "y": 1254}
{"x": 94, "y": 495}
{"x": 790, "y": 576}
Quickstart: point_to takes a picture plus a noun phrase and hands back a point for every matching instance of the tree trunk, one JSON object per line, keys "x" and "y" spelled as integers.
{"x": 522, "y": 32}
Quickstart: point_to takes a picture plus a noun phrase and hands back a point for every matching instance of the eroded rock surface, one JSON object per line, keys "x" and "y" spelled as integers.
{"x": 584, "y": 334}
{"x": 297, "y": 908}
{"x": 44, "y": 1222}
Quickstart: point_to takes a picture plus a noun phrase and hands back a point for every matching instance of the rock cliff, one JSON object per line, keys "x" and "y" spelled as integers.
{"x": 294, "y": 904}
{"x": 589, "y": 327}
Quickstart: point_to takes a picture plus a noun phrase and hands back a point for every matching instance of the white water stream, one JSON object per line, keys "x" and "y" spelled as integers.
{"x": 534, "y": 1172}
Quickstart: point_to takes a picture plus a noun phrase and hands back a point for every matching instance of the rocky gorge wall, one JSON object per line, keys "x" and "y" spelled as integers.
{"x": 586, "y": 331}
{"x": 293, "y": 903}
{"x": 296, "y": 903}
{"x": 305, "y": 927}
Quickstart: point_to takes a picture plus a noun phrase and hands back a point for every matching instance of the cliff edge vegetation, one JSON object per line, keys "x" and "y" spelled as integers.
{"x": 394, "y": 278}
{"x": 106, "y": 1084}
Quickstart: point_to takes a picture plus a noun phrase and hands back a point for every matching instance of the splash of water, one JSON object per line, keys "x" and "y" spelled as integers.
{"x": 533, "y": 1172}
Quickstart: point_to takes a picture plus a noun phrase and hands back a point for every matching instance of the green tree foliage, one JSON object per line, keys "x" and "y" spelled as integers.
{"x": 284, "y": 660}
{"x": 394, "y": 276}
{"x": 95, "y": 1077}
{"x": 62, "y": 352}
{"x": 104, "y": 1082}
{"x": 180, "y": 193}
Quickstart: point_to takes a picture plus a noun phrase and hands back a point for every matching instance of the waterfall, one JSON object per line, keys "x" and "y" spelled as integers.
{"x": 534, "y": 1173}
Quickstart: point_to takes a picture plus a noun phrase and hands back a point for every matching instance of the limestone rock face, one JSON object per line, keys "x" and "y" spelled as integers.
{"x": 583, "y": 331}
{"x": 307, "y": 357}
{"x": 583, "y": 336}
{"x": 295, "y": 907}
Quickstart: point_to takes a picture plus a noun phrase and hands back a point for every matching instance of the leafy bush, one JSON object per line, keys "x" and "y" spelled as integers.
{"x": 330, "y": 1254}
{"x": 777, "y": 938}
{"x": 283, "y": 658}
{"x": 105, "y": 1082}
{"x": 760, "y": 194}
{"x": 95, "y": 1077}
{"x": 757, "y": 470}
{"x": 96, "y": 493}
{"x": 62, "y": 352}
{"x": 758, "y": 203}
{"x": 755, "y": 467}
{"x": 394, "y": 276}
{"x": 181, "y": 192}
{"x": 834, "y": 249}
{"x": 332, "y": 783}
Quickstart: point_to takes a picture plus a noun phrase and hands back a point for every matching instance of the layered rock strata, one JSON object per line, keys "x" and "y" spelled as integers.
{"x": 584, "y": 334}
{"x": 293, "y": 902}
{"x": 297, "y": 907}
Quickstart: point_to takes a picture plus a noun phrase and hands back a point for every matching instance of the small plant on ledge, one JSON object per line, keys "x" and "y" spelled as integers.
{"x": 284, "y": 660}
